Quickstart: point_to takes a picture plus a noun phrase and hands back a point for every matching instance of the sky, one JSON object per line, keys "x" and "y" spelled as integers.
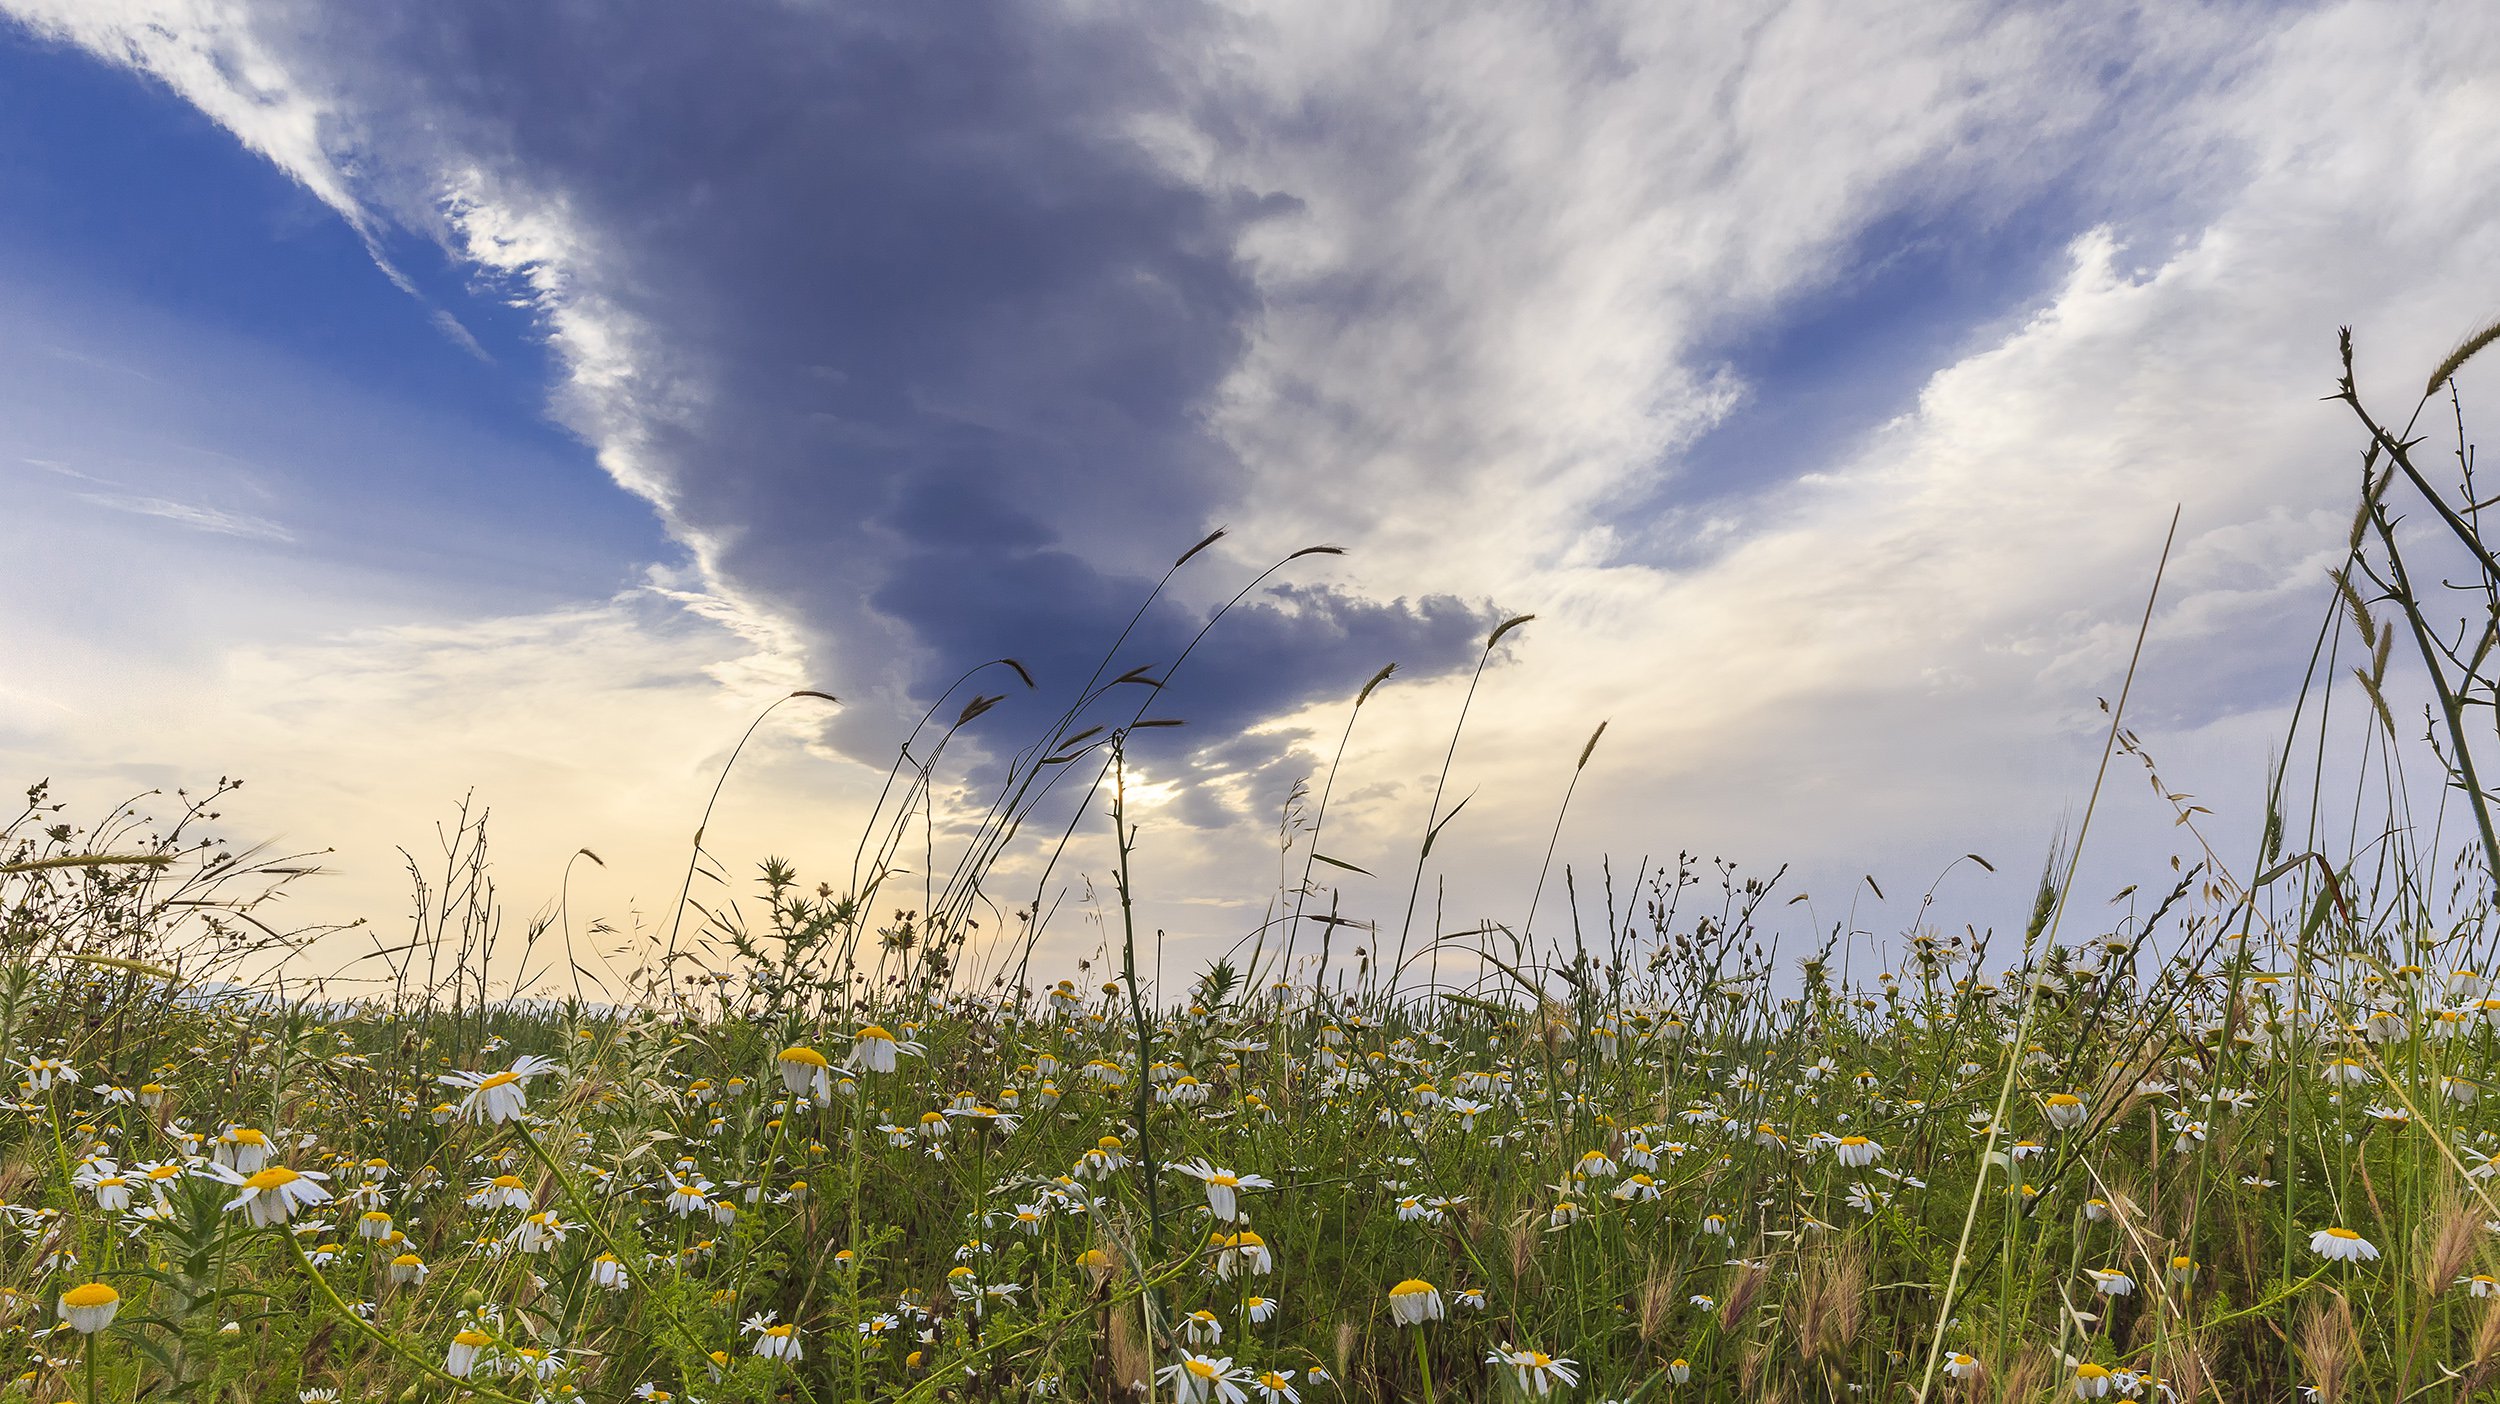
{"x": 415, "y": 400}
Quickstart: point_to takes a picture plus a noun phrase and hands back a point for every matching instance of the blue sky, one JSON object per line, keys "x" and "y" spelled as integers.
{"x": 460, "y": 396}
{"x": 126, "y": 186}
{"x": 139, "y": 234}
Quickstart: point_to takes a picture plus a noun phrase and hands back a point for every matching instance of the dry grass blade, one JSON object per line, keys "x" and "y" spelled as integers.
{"x": 117, "y": 963}
{"x": 2328, "y": 1346}
{"x": 1132, "y": 1363}
{"x": 2026, "y": 1379}
{"x": 1211, "y": 538}
{"x": 2445, "y": 1246}
{"x": 1749, "y": 1370}
{"x": 1591, "y": 748}
{"x": 1377, "y": 679}
{"x": 90, "y": 860}
{"x": 2486, "y": 1356}
{"x": 1741, "y": 1296}
{"x": 2456, "y": 359}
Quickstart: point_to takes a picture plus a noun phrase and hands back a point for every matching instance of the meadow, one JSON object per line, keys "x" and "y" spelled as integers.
{"x": 2232, "y": 1138}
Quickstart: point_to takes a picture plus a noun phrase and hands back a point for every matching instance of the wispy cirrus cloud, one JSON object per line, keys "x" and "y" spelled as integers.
{"x": 191, "y": 515}
{"x": 113, "y": 496}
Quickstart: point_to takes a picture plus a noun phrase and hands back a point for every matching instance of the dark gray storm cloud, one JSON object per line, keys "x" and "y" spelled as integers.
{"x": 926, "y": 335}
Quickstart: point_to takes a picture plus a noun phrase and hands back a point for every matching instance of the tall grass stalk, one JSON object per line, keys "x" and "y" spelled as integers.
{"x": 2031, "y": 993}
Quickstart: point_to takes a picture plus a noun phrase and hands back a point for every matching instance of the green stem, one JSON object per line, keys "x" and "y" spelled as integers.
{"x": 591, "y": 1221}
{"x": 1423, "y": 1362}
{"x": 1150, "y": 1171}
{"x": 347, "y": 1313}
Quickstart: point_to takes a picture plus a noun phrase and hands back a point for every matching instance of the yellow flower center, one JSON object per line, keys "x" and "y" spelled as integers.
{"x": 93, "y": 1294}
{"x": 809, "y": 1056}
{"x": 276, "y": 1176}
{"x": 501, "y": 1079}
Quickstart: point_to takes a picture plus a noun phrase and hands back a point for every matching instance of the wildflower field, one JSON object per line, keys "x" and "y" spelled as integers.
{"x": 2227, "y": 1139}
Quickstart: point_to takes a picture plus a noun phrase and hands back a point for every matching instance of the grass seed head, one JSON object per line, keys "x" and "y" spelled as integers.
{"x": 2328, "y": 1345}
{"x": 2445, "y": 1247}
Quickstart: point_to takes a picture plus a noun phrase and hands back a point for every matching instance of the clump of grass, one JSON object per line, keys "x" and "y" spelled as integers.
{"x": 2232, "y": 1141}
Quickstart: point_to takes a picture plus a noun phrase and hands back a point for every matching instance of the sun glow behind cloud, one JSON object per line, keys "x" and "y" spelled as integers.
{"x": 1455, "y": 293}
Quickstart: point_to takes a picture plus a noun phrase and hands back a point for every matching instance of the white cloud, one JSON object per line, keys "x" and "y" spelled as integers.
{"x": 602, "y": 726}
{"x": 1503, "y": 252}
{"x": 214, "y": 54}
{"x": 1514, "y": 236}
{"x": 215, "y": 520}
{"x": 1896, "y": 661}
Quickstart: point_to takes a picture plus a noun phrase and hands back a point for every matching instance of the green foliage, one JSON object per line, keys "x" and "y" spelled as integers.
{"x": 2235, "y": 1142}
